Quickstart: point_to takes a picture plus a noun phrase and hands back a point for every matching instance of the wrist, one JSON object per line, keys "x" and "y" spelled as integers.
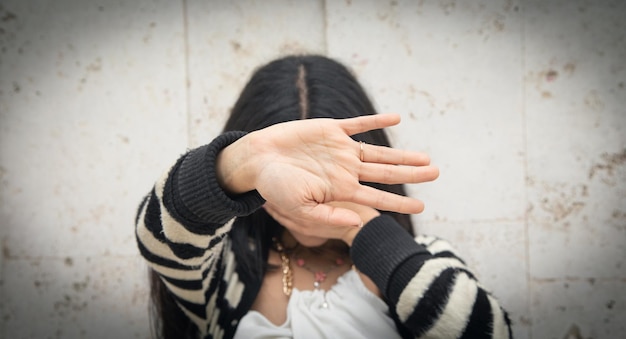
{"x": 234, "y": 167}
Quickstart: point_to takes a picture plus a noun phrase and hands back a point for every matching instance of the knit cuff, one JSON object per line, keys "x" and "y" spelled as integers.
{"x": 381, "y": 247}
{"x": 200, "y": 190}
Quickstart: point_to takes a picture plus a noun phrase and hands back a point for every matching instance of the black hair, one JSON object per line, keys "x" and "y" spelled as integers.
{"x": 286, "y": 89}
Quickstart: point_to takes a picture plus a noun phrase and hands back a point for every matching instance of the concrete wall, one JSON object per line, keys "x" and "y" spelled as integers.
{"x": 520, "y": 102}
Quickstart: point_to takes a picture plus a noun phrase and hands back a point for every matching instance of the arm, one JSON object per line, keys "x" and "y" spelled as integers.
{"x": 427, "y": 286}
{"x": 180, "y": 224}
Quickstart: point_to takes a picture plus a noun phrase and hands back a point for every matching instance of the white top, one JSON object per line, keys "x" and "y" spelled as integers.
{"x": 347, "y": 310}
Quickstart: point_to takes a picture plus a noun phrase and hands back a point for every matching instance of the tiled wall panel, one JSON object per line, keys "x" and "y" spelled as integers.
{"x": 453, "y": 71}
{"x": 575, "y": 72}
{"x": 92, "y": 109}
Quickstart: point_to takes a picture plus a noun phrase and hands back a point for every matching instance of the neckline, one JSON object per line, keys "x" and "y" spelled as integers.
{"x": 341, "y": 279}
{"x": 358, "y": 287}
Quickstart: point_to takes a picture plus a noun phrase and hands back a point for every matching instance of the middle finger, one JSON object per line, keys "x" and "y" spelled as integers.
{"x": 388, "y": 155}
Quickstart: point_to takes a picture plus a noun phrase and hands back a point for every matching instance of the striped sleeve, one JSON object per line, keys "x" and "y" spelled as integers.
{"x": 428, "y": 287}
{"x": 181, "y": 225}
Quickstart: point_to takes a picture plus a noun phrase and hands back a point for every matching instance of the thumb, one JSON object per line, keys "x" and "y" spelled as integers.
{"x": 335, "y": 216}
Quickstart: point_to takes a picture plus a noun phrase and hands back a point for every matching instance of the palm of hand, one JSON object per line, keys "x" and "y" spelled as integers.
{"x": 303, "y": 165}
{"x": 322, "y": 166}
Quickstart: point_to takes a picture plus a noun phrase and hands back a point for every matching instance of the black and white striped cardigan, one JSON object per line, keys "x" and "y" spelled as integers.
{"x": 182, "y": 231}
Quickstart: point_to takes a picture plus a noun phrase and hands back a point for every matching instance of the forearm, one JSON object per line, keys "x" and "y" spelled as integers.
{"x": 187, "y": 208}
{"x": 180, "y": 226}
{"x": 427, "y": 286}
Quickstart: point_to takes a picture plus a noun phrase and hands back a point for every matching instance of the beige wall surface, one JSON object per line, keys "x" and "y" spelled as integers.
{"x": 521, "y": 103}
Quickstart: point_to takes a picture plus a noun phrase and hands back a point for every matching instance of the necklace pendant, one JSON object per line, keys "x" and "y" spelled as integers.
{"x": 320, "y": 276}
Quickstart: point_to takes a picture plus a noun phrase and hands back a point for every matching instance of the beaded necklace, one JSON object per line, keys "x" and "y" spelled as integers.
{"x": 319, "y": 275}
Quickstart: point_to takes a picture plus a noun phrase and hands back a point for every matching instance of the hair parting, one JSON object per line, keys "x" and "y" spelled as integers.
{"x": 302, "y": 90}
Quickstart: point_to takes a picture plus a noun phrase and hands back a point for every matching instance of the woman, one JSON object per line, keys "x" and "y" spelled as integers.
{"x": 270, "y": 230}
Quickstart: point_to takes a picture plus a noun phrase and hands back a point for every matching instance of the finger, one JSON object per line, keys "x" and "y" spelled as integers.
{"x": 368, "y": 122}
{"x": 335, "y": 216}
{"x": 392, "y": 174}
{"x": 386, "y": 201}
{"x": 388, "y": 155}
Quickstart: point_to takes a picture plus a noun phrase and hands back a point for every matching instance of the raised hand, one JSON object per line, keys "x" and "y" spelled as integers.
{"x": 300, "y": 166}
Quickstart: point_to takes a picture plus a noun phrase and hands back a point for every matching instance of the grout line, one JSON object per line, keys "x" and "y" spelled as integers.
{"x": 325, "y": 13}
{"x": 16, "y": 258}
{"x": 3, "y": 260}
{"x": 529, "y": 288}
{"x": 590, "y": 280}
{"x": 186, "y": 70}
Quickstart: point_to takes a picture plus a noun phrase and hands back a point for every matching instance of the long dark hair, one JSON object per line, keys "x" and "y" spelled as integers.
{"x": 290, "y": 88}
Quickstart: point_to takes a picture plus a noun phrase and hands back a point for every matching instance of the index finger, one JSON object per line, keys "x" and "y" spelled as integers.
{"x": 368, "y": 122}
